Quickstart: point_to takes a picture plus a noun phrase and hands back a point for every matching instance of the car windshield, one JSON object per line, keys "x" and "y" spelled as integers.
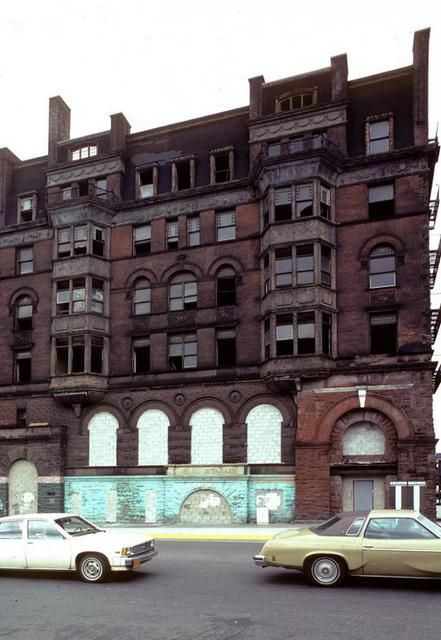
{"x": 76, "y": 526}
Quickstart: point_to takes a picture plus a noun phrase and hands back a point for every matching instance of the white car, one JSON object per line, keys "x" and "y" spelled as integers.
{"x": 68, "y": 542}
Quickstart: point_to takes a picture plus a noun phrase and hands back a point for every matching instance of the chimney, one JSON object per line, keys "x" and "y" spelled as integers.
{"x": 420, "y": 86}
{"x": 59, "y": 126}
{"x": 119, "y": 129}
{"x": 7, "y": 162}
{"x": 339, "y": 75}
{"x": 255, "y": 110}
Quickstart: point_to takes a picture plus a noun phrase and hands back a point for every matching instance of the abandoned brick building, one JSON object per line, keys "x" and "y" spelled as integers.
{"x": 227, "y": 318}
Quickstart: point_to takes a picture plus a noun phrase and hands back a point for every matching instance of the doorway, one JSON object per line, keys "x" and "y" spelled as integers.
{"x": 363, "y": 495}
{"x": 23, "y": 488}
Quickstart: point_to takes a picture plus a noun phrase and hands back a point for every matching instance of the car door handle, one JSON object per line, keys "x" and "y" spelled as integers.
{"x": 368, "y": 546}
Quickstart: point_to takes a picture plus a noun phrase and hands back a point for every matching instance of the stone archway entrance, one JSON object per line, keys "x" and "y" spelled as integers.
{"x": 23, "y": 487}
{"x": 205, "y": 507}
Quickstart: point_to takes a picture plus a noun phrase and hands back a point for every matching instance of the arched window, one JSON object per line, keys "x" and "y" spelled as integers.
{"x": 382, "y": 267}
{"x": 264, "y": 433}
{"x": 23, "y": 313}
{"x": 102, "y": 440}
{"x": 183, "y": 292}
{"x": 153, "y": 438}
{"x": 141, "y": 297}
{"x": 226, "y": 287}
{"x": 206, "y": 436}
{"x": 363, "y": 439}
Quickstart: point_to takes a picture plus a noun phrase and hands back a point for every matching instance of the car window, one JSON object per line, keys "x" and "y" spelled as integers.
{"x": 397, "y": 529}
{"x": 342, "y": 524}
{"x": 355, "y": 527}
{"x": 11, "y": 530}
{"x": 74, "y": 525}
{"x": 43, "y": 530}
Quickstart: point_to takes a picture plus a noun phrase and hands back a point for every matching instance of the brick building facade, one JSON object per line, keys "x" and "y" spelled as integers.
{"x": 223, "y": 317}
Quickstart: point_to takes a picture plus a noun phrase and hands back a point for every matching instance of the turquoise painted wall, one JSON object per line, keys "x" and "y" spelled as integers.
{"x": 123, "y": 499}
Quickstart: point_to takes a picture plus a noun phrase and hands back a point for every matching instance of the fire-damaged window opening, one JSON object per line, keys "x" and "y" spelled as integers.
{"x": 226, "y": 347}
{"x": 383, "y": 333}
{"x": 23, "y": 367}
{"x": 141, "y": 355}
{"x": 221, "y": 165}
{"x": 381, "y": 201}
{"x": 183, "y": 174}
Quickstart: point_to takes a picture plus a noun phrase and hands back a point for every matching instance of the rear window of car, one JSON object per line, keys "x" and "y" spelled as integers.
{"x": 340, "y": 525}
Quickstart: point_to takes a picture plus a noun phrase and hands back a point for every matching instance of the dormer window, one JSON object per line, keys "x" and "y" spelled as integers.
{"x": 379, "y": 134}
{"x": 147, "y": 182}
{"x": 81, "y": 153}
{"x": 298, "y": 100}
{"x": 183, "y": 174}
{"x": 26, "y": 207}
{"x": 221, "y": 165}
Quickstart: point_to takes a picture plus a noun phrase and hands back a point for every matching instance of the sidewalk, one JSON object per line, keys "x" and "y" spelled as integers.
{"x": 245, "y": 532}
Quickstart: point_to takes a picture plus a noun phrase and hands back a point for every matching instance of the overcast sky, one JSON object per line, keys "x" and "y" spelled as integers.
{"x": 168, "y": 61}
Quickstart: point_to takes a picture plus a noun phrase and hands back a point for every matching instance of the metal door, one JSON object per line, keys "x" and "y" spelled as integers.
{"x": 363, "y": 494}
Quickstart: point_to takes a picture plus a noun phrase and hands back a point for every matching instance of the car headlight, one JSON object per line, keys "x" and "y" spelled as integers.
{"x": 127, "y": 551}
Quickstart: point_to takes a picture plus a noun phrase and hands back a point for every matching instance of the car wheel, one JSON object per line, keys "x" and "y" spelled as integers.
{"x": 93, "y": 568}
{"x": 326, "y": 571}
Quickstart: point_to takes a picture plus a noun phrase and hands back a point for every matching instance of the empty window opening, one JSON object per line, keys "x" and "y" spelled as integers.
{"x": 282, "y": 204}
{"x": 383, "y": 329}
{"x": 226, "y": 287}
{"x": 146, "y": 183}
{"x": 22, "y": 367}
{"x": 183, "y": 175}
{"x": 381, "y": 202}
{"x": 141, "y": 355}
{"x": 305, "y": 333}
{"x": 284, "y": 335}
{"x": 222, "y": 167}
{"x": 226, "y": 347}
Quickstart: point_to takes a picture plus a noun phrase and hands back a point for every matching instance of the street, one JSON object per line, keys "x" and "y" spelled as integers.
{"x": 212, "y": 591}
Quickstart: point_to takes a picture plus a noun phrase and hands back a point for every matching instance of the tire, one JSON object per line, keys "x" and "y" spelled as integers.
{"x": 93, "y": 568}
{"x": 326, "y": 571}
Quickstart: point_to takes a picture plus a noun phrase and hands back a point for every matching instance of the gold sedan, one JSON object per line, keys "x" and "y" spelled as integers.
{"x": 360, "y": 543}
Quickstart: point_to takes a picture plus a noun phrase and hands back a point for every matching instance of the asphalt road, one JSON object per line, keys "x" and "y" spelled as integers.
{"x": 213, "y": 591}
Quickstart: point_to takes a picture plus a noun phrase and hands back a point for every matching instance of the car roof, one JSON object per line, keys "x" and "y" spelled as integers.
{"x": 37, "y": 516}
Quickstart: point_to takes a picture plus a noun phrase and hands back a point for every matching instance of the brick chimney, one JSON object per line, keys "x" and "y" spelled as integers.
{"x": 59, "y": 126}
{"x": 255, "y": 109}
{"x": 420, "y": 85}
{"x": 119, "y": 129}
{"x": 339, "y": 75}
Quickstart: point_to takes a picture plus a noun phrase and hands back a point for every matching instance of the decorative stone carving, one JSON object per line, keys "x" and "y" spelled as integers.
{"x": 72, "y": 174}
{"x": 298, "y": 124}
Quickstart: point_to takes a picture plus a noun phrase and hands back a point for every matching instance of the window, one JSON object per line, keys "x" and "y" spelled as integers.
{"x": 100, "y": 188}
{"x": 382, "y": 267}
{"x": 141, "y": 298}
{"x": 79, "y": 295}
{"x": 383, "y": 332}
{"x": 142, "y": 236}
{"x": 379, "y": 135}
{"x": 172, "y": 234}
{"x": 147, "y": 182}
{"x": 22, "y": 367}
{"x": 267, "y": 338}
{"x": 305, "y": 264}
{"x": 225, "y": 226}
{"x": 79, "y": 354}
{"x": 20, "y": 417}
{"x": 397, "y": 529}
{"x": 304, "y": 200}
{"x": 183, "y": 292}
{"x": 221, "y": 165}
{"x": 266, "y": 209}
{"x": 284, "y": 267}
{"x": 274, "y": 148}
{"x": 183, "y": 351}
{"x": 193, "y": 231}
{"x": 88, "y": 151}
{"x": 226, "y": 287}
{"x": 381, "y": 202}
{"x": 26, "y": 207}
{"x": 305, "y": 333}
{"x": 226, "y": 347}
{"x": 282, "y": 204}
{"x": 79, "y": 240}
{"x": 23, "y": 314}
{"x": 284, "y": 335}
{"x": 266, "y": 273}
{"x": 325, "y": 266}
{"x": 288, "y": 102}
{"x": 141, "y": 355}
{"x": 325, "y": 202}
{"x": 363, "y": 439}
{"x": 326, "y": 334}
{"x": 25, "y": 260}
{"x": 183, "y": 174}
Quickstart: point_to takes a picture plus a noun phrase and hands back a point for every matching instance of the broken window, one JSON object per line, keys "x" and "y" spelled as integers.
{"x": 221, "y": 165}
{"x": 305, "y": 333}
{"x": 182, "y": 351}
{"x": 27, "y": 206}
{"x": 304, "y": 200}
{"x": 96, "y": 354}
{"x": 141, "y": 355}
{"x": 381, "y": 202}
{"x": 284, "y": 335}
{"x": 282, "y": 204}
{"x": 142, "y": 236}
{"x": 78, "y": 355}
{"x": 226, "y": 347}
{"x": 22, "y": 367}
{"x": 147, "y": 182}
{"x": 183, "y": 292}
{"x": 23, "y": 314}
{"x": 226, "y": 287}
{"x": 383, "y": 333}
{"x": 183, "y": 174}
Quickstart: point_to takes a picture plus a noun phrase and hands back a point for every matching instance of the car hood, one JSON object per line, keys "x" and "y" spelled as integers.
{"x": 115, "y": 538}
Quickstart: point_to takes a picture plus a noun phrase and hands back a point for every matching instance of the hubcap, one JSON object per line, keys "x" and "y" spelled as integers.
{"x": 326, "y": 570}
{"x": 92, "y": 569}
